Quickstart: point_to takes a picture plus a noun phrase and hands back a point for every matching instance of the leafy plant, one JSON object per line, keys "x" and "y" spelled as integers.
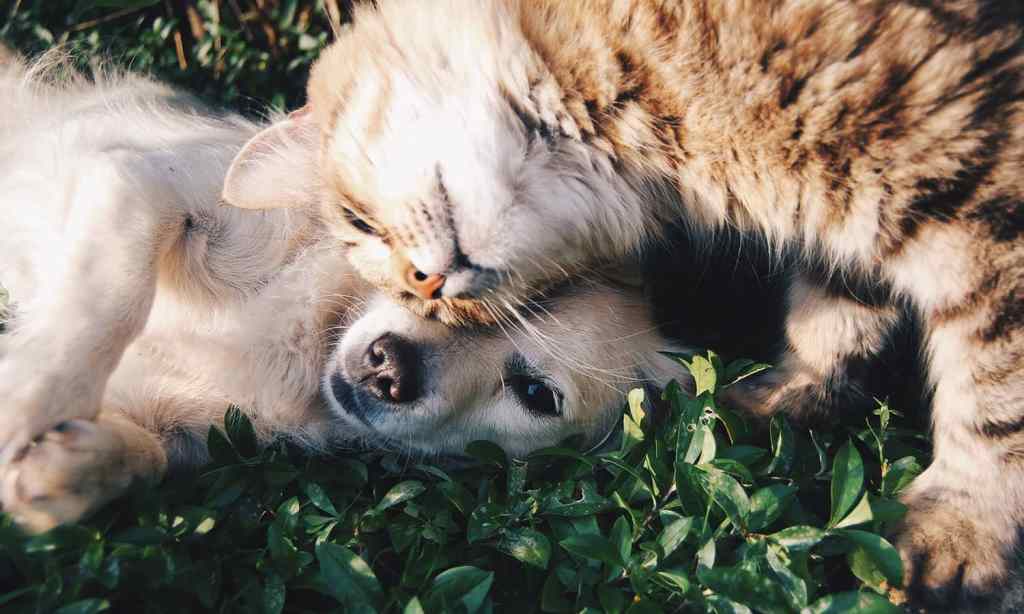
{"x": 693, "y": 512}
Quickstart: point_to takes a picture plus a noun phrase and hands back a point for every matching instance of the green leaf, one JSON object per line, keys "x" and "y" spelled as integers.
{"x": 704, "y": 376}
{"x": 642, "y": 605}
{"x": 768, "y": 503}
{"x": 793, "y": 587}
{"x": 517, "y": 471}
{"x": 487, "y": 452}
{"x": 677, "y": 578}
{"x": 319, "y": 497}
{"x": 527, "y": 545}
{"x": 745, "y": 586}
{"x": 463, "y": 585}
{"x": 675, "y": 530}
{"x": 730, "y": 496}
{"x": 593, "y": 547}
{"x": 783, "y": 447}
{"x": 220, "y": 448}
{"x": 847, "y": 481}
{"x": 612, "y": 599}
{"x": 348, "y": 578}
{"x": 635, "y": 401}
{"x": 414, "y": 607}
{"x": 736, "y": 426}
{"x": 748, "y": 455}
{"x": 706, "y": 555}
{"x": 900, "y": 474}
{"x": 274, "y": 594}
{"x": 852, "y": 602}
{"x": 863, "y": 566}
{"x": 622, "y": 537}
{"x": 85, "y": 606}
{"x": 741, "y": 369}
{"x": 403, "y": 491}
{"x": 566, "y": 503}
{"x": 799, "y": 537}
{"x": 858, "y": 515}
{"x": 724, "y": 605}
{"x": 880, "y": 551}
{"x": 701, "y": 443}
{"x": 484, "y": 522}
{"x": 241, "y": 433}
{"x": 552, "y": 597}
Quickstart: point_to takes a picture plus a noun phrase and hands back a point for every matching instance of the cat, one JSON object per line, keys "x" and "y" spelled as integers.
{"x": 140, "y": 309}
{"x": 472, "y": 154}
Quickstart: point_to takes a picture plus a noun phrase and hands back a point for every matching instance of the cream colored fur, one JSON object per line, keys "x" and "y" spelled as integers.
{"x": 142, "y": 308}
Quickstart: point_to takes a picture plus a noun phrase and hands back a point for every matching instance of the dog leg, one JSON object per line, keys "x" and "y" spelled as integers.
{"x": 76, "y": 468}
{"x": 65, "y": 344}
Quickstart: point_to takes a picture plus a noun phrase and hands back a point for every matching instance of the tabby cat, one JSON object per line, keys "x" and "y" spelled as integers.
{"x": 472, "y": 153}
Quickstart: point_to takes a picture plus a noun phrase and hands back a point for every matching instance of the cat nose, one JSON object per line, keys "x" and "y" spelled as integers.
{"x": 422, "y": 285}
{"x": 391, "y": 367}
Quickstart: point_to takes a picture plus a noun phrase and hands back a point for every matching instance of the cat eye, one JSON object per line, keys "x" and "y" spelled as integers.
{"x": 535, "y": 395}
{"x": 357, "y": 222}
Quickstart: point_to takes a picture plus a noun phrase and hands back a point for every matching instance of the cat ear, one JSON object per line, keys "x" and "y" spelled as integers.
{"x": 277, "y": 167}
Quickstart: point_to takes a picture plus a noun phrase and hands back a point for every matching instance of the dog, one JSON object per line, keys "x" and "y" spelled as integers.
{"x": 141, "y": 308}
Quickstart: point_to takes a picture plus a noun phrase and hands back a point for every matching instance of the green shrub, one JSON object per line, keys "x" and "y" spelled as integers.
{"x": 692, "y": 512}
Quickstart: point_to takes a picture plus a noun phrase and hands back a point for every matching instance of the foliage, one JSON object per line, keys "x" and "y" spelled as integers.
{"x": 240, "y": 53}
{"x": 693, "y": 512}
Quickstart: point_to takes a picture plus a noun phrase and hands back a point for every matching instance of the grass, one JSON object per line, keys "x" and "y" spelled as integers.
{"x": 693, "y": 512}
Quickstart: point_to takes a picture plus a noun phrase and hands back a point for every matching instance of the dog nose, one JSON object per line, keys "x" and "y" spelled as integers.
{"x": 424, "y": 286}
{"x": 393, "y": 369}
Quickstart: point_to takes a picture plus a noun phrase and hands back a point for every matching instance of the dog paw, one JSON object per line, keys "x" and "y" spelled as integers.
{"x": 951, "y": 558}
{"x": 33, "y": 404}
{"x": 68, "y": 473}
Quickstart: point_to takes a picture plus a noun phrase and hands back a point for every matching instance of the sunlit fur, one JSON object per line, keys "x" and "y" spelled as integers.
{"x": 142, "y": 308}
{"x": 507, "y": 143}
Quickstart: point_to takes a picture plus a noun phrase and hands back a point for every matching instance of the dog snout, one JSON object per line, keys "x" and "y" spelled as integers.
{"x": 391, "y": 369}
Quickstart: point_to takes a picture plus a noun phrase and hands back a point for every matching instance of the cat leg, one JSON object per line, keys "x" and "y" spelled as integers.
{"x": 965, "y": 511}
{"x": 828, "y": 333}
{"x": 95, "y": 299}
{"x": 76, "y": 468}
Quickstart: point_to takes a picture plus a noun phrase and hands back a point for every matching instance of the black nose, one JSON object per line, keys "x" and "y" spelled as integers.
{"x": 392, "y": 367}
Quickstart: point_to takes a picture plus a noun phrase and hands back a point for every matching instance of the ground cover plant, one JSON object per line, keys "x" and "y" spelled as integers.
{"x": 691, "y": 512}
{"x": 695, "y": 510}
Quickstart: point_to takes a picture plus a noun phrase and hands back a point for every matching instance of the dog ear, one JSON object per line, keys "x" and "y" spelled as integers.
{"x": 277, "y": 167}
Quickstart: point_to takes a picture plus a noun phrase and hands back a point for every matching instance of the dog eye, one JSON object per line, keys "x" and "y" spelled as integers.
{"x": 535, "y": 395}
{"x": 358, "y": 222}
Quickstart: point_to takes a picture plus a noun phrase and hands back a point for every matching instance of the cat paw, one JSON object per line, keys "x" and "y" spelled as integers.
{"x": 68, "y": 473}
{"x": 951, "y": 557}
{"x": 795, "y": 394}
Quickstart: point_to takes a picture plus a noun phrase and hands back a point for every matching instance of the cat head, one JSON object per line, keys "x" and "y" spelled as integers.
{"x": 439, "y": 154}
{"x": 399, "y": 380}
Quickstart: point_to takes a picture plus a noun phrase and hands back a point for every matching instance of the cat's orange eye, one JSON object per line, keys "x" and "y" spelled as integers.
{"x": 352, "y": 218}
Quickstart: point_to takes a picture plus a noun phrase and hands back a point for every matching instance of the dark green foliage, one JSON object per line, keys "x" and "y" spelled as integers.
{"x": 692, "y": 512}
{"x": 241, "y": 53}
